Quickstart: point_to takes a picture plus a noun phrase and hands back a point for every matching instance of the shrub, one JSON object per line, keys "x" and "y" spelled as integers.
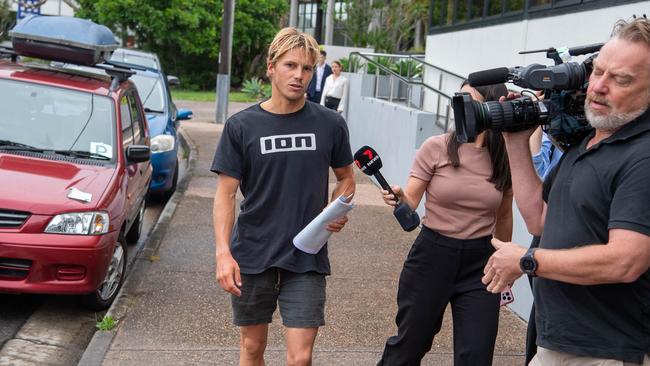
{"x": 255, "y": 88}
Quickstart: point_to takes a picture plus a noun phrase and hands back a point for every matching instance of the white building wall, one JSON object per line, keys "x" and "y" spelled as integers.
{"x": 339, "y": 52}
{"x": 466, "y": 51}
{"x": 472, "y": 50}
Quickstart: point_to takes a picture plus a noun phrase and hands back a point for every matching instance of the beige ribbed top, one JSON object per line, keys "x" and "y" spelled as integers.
{"x": 460, "y": 202}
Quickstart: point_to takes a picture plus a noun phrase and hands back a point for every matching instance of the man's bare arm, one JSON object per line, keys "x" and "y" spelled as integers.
{"x": 223, "y": 214}
{"x": 526, "y": 185}
{"x": 623, "y": 260}
{"x": 345, "y": 185}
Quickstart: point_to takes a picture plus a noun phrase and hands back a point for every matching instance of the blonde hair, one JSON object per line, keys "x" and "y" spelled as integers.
{"x": 289, "y": 38}
{"x": 636, "y": 31}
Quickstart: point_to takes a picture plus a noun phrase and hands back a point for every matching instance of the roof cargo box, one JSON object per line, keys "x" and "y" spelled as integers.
{"x": 65, "y": 39}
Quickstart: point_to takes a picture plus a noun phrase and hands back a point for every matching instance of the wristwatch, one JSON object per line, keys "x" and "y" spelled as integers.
{"x": 528, "y": 264}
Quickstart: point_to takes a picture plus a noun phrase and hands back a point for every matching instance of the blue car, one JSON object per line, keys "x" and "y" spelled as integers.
{"x": 162, "y": 117}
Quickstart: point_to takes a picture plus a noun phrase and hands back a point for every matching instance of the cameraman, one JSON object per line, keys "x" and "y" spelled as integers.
{"x": 592, "y": 293}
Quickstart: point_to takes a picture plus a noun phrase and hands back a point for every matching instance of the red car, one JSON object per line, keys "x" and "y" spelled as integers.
{"x": 74, "y": 173}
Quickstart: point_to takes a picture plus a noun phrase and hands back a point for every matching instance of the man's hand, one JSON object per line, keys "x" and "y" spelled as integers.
{"x": 337, "y": 225}
{"x": 502, "y": 269}
{"x": 228, "y": 274}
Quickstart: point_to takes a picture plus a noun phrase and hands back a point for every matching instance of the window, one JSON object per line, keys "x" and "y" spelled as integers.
{"x": 125, "y": 118}
{"x": 462, "y": 14}
{"x": 307, "y": 13}
{"x": 138, "y": 127}
{"x": 55, "y": 118}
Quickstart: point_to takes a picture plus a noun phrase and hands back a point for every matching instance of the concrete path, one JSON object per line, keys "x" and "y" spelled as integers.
{"x": 176, "y": 314}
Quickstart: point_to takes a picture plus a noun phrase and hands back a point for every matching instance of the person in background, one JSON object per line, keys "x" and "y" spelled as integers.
{"x": 335, "y": 93}
{"x": 468, "y": 200}
{"x": 317, "y": 82}
{"x": 545, "y": 154}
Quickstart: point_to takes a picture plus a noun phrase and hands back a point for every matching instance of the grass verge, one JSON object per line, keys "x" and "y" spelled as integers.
{"x": 209, "y": 96}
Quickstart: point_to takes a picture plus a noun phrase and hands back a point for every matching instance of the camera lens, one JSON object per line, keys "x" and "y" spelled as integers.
{"x": 501, "y": 114}
{"x": 473, "y": 117}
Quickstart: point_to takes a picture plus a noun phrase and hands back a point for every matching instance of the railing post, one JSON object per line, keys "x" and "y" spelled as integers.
{"x": 390, "y": 95}
{"x": 447, "y": 118}
{"x": 409, "y": 94}
{"x": 422, "y": 91}
{"x": 439, "y": 88}
{"x": 376, "y": 81}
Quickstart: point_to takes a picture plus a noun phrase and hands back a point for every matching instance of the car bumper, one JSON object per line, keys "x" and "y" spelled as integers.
{"x": 164, "y": 165}
{"x": 54, "y": 264}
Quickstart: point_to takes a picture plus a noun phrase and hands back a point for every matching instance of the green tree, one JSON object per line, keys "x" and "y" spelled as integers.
{"x": 186, "y": 33}
{"x": 356, "y": 25}
{"x": 6, "y": 19}
{"x": 386, "y": 25}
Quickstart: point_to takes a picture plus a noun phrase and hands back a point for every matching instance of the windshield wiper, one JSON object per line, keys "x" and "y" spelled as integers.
{"x": 17, "y": 146}
{"x": 82, "y": 154}
{"x": 149, "y": 110}
{"x": 13, "y": 145}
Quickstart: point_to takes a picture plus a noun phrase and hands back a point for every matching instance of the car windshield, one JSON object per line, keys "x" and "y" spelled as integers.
{"x": 150, "y": 90}
{"x": 148, "y": 62}
{"x": 45, "y": 118}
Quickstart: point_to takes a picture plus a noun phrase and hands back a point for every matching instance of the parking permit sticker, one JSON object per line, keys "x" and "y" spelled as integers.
{"x": 102, "y": 149}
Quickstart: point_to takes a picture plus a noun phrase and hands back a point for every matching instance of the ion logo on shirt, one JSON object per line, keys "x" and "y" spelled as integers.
{"x": 286, "y": 143}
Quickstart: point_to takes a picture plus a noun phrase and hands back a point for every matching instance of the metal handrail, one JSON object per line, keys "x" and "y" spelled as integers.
{"x": 421, "y": 60}
{"x": 402, "y": 78}
{"x": 410, "y": 81}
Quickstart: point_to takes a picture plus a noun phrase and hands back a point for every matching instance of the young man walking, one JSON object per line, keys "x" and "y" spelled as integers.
{"x": 279, "y": 153}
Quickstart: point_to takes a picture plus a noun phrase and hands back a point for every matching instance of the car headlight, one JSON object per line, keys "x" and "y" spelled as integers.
{"x": 79, "y": 223}
{"x": 162, "y": 143}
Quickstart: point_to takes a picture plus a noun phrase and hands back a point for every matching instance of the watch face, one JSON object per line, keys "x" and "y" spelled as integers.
{"x": 528, "y": 265}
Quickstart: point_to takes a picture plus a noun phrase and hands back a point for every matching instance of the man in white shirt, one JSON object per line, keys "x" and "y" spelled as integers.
{"x": 317, "y": 83}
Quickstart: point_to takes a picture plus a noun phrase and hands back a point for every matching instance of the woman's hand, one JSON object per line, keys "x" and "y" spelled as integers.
{"x": 389, "y": 198}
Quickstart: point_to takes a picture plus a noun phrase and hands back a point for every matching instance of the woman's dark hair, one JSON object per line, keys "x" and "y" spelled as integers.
{"x": 338, "y": 63}
{"x": 493, "y": 141}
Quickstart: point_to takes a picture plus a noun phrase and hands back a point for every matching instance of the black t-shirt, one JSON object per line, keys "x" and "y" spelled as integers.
{"x": 592, "y": 191}
{"x": 282, "y": 162}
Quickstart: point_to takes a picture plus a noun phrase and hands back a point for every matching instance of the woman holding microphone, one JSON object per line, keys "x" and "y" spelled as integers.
{"x": 468, "y": 200}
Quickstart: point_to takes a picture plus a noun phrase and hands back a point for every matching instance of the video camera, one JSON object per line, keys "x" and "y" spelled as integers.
{"x": 560, "y": 112}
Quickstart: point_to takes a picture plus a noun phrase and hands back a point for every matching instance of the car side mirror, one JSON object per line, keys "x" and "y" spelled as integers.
{"x": 138, "y": 153}
{"x": 184, "y": 114}
{"x": 173, "y": 80}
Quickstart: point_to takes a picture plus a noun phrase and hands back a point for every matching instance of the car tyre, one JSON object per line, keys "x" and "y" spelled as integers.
{"x": 136, "y": 228}
{"x": 168, "y": 194}
{"x": 103, "y": 297}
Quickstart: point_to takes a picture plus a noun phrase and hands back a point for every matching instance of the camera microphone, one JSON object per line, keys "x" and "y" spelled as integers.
{"x": 369, "y": 162}
{"x": 488, "y": 77}
{"x": 583, "y": 50}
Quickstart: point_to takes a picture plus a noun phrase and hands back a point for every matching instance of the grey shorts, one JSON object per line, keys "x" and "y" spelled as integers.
{"x": 301, "y": 297}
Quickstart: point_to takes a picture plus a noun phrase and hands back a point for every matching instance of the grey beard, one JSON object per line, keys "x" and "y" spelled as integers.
{"x": 612, "y": 121}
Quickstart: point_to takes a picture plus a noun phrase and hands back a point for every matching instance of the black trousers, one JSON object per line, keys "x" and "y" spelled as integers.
{"x": 437, "y": 271}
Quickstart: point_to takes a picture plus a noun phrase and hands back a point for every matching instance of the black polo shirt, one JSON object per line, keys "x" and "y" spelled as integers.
{"x": 592, "y": 191}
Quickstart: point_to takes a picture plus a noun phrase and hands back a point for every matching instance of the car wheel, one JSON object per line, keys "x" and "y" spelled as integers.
{"x": 136, "y": 228}
{"x": 167, "y": 195}
{"x": 103, "y": 297}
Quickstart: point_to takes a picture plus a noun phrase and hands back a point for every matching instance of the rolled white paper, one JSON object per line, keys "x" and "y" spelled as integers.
{"x": 312, "y": 238}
